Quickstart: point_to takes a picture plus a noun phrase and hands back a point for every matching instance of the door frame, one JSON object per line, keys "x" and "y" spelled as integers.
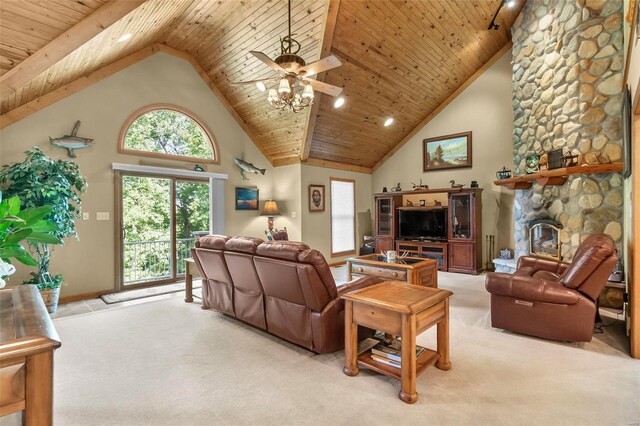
{"x": 118, "y": 229}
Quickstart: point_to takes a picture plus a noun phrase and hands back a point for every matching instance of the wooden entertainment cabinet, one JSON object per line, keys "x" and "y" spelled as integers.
{"x": 460, "y": 252}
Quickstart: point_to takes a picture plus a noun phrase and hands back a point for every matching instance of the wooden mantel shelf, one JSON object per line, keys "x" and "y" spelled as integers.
{"x": 556, "y": 176}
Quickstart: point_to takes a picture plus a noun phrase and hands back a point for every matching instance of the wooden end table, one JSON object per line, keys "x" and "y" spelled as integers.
{"x": 190, "y": 270}
{"x": 27, "y": 342}
{"x": 412, "y": 270}
{"x": 402, "y": 310}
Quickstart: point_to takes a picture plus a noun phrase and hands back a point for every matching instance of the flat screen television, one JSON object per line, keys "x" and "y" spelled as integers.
{"x": 422, "y": 224}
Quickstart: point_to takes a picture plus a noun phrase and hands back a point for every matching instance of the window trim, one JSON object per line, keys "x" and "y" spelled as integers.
{"x": 355, "y": 224}
{"x": 133, "y": 117}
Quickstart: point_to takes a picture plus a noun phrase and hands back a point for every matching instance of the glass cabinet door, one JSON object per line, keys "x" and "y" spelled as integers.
{"x": 461, "y": 216}
{"x": 384, "y": 222}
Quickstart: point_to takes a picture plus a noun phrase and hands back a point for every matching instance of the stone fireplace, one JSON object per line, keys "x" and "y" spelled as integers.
{"x": 567, "y": 92}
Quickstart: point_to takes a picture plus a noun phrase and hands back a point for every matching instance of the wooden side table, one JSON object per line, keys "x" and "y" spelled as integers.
{"x": 27, "y": 342}
{"x": 412, "y": 270}
{"x": 402, "y": 310}
{"x": 190, "y": 269}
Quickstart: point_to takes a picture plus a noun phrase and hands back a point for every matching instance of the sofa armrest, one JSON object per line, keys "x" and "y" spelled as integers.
{"x": 357, "y": 284}
{"x": 542, "y": 264}
{"x": 528, "y": 288}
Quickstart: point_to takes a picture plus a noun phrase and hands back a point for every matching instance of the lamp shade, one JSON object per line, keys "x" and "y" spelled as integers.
{"x": 284, "y": 86}
{"x": 308, "y": 92}
{"x": 270, "y": 208}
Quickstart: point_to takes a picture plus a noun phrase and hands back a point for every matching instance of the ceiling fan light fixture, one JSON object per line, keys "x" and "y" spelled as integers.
{"x": 284, "y": 86}
{"x": 261, "y": 86}
{"x": 338, "y": 102}
{"x": 388, "y": 122}
{"x": 308, "y": 92}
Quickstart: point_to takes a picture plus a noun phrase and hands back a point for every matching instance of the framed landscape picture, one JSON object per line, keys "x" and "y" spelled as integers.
{"x": 246, "y": 198}
{"x": 447, "y": 152}
{"x": 316, "y": 198}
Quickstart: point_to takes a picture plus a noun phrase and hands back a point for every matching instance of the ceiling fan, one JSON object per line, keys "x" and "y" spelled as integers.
{"x": 293, "y": 71}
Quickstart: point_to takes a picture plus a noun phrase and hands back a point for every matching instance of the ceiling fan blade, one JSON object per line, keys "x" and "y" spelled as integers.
{"x": 321, "y": 65}
{"x": 268, "y": 62}
{"x": 320, "y": 86}
{"x": 264, "y": 80}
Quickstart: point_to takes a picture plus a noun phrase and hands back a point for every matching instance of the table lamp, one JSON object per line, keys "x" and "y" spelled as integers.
{"x": 270, "y": 210}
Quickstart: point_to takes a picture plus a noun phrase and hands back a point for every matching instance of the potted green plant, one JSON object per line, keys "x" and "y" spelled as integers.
{"x": 18, "y": 225}
{"x": 41, "y": 181}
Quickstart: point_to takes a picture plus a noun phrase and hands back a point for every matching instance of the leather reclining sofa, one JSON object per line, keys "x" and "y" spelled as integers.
{"x": 282, "y": 287}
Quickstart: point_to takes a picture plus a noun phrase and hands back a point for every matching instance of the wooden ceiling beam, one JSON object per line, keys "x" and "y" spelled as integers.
{"x": 25, "y": 110}
{"x": 65, "y": 44}
{"x": 435, "y": 112}
{"x": 330, "y": 18}
{"x": 335, "y": 165}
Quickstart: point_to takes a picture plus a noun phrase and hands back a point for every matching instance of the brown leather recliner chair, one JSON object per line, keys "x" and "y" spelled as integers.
{"x": 552, "y": 299}
{"x": 282, "y": 287}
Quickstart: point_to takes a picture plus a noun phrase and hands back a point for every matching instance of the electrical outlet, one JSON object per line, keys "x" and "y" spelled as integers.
{"x": 294, "y": 214}
{"x": 102, "y": 215}
{"x": 85, "y": 216}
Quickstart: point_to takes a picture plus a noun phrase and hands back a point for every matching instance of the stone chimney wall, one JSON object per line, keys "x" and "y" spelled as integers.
{"x": 567, "y": 92}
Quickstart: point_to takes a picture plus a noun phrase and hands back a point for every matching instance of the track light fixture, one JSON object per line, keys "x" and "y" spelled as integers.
{"x": 494, "y": 25}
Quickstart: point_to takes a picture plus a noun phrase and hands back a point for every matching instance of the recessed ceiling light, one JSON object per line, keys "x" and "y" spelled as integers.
{"x": 124, "y": 38}
{"x": 339, "y": 102}
{"x": 388, "y": 122}
{"x": 261, "y": 86}
{"x": 511, "y": 3}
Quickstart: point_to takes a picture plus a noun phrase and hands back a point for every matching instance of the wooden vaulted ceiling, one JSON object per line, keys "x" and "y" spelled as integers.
{"x": 401, "y": 58}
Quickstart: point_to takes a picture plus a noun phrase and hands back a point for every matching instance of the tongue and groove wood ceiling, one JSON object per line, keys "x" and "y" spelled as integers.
{"x": 400, "y": 59}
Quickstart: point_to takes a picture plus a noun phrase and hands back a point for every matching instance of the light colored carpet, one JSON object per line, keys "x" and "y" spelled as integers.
{"x": 171, "y": 363}
{"x": 125, "y": 296}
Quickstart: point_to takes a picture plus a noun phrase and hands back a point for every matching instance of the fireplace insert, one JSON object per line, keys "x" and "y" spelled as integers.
{"x": 544, "y": 238}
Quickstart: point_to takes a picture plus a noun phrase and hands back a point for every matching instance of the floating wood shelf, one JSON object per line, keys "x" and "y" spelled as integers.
{"x": 556, "y": 176}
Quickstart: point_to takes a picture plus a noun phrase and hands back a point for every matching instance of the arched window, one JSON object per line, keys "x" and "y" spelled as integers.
{"x": 168, "y": 131}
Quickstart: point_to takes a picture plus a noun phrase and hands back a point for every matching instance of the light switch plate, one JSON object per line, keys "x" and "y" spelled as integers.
{"x": 102, "y": 215}
{"x": 85, "y": 216}
{"x": 293, "y": 214}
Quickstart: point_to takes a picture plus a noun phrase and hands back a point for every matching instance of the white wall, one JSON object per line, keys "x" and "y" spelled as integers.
{"x": 287, "y": 192}
{"x": 88, "y": 264}
{"x": 484, "y": 108}
{"x": 316, "y": 227}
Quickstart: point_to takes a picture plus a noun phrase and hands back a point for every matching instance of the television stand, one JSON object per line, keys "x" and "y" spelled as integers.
{"x": 436, "y": 250}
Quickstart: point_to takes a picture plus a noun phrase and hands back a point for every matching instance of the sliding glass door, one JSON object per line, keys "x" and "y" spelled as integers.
{"x": 160, "y": 218}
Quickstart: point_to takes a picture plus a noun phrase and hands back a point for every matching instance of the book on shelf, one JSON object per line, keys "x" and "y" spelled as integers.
{"x": 386, "y": 361}
{"x": 391, "y": 352}
{"x": 366, "y": 344}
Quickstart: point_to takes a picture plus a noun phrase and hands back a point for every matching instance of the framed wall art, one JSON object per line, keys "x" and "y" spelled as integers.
{"x": 247, "y": 198}
{"x": 316, "y": 198}
{"x": 447, "y": 152}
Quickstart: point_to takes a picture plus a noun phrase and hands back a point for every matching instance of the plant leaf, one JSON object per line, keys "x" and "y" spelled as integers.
{"x": 43, "y": 237}
{"x": 26, "y": 259}
{"x": 14, "y": 205}
{"x": 16, "y": 237}
{"x": 33, "y": 214}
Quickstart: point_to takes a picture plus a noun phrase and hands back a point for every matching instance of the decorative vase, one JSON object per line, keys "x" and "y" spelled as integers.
{"x": 50, "y": 296}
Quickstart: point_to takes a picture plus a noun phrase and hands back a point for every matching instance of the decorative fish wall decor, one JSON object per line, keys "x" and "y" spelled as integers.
{"x": 71, "y": 142}
{"x": 247, "y": 167}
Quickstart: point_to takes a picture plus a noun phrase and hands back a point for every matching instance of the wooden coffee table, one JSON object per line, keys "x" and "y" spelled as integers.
{"x": 411, "y": 270}
{"x": 402, "y": 310}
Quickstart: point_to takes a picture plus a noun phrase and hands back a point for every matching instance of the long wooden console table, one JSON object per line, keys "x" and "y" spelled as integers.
{"x": 27, "y": 342}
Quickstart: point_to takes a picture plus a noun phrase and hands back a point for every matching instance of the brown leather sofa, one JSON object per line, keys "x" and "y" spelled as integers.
{"x": 552, "y": 299}
{"x": 282, "y": 287}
